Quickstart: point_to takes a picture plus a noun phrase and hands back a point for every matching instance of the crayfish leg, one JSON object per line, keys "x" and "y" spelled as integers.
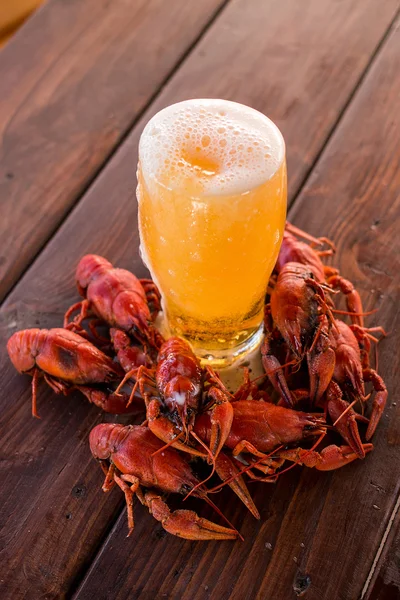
{"x": 245, "y": 446}
{"x": 221, "y": 420}
{"x": 353, "y": 299}
{"x": 100, "y": 339}
{"x": 58, "y": 386}
{"x": 379, "y": 403}
{"x": 83, "y": 306}
{"x": 307, "y": 236}
{"x": 126, "y": 378}
{"x": 212, "y": 379}
{"x": 330, "y": 458}
{"x": 129, "y": 492}
{"x": 144, "y": 376}
{"x": 270, "y": 475}
{"x": 109, "y": 480}
{"x": 35, "y": 380}
{"x": 243, "y": 392}
{"x": 344, "y": 419}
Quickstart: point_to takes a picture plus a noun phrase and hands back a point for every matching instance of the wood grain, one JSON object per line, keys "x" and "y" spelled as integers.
{"x": 319, "y": 532}
{"x": 385, "y": 581}
{"x": 296, "y": 62}
{"x": 45, "y": 461}
{"x": 72, "y": 82}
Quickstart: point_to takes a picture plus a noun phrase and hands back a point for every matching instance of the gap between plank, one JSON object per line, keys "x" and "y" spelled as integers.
{"x": 380, "y": 549}
{"x": 346, "y": 105}
{"x": 84, "y": 570}
{"x": 92, "y": 179}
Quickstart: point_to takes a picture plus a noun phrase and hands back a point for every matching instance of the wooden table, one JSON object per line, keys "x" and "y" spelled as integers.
{"x": 77, "y": 84}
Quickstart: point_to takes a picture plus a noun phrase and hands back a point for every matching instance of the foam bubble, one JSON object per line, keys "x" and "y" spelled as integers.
{"x": 224, "y": 147}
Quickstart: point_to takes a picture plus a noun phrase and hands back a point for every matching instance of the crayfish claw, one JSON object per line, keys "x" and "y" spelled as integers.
{"x": 379, "y": 403}
{"x": 378, "y": 407}
{"x": 221, "y": 423}
{"x": 229, "y": 473}
{"x": 186, "y": 523}
{"x": 344, "y": 419}
{"x": 274, "y": 372}
{"x": 330, "y": 458}
{"x": 163, "y": 428}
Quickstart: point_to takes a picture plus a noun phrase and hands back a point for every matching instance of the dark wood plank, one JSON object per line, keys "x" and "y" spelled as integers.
{"x": 385, "y": 574}
{"x": 72, "y": 82}
{"x": 319, "y": 532}
{"x": 105, "y": 222}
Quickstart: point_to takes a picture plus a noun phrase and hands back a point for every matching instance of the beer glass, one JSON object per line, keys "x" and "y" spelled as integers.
{"x": 212, "y": 208}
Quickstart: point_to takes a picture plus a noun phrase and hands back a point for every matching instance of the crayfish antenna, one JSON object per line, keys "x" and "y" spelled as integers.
{"x": 246, "y": 469}
{"x": 353, "y": 313}
{"x": 307, "y": 236}
{"x": 210, "y": 454}
{"x": 167, "y": 445}
{"x": 203, "y": 495}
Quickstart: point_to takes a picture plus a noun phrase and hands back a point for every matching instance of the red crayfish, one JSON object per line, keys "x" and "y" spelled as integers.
{"x": 261, "y": 433}
{"x": 299, "y": 322}
{"x": 190, "y": 414}
{"x": 299, "y": 305}
{"x": 66, "y": 361}
{"x": 173, "y": 393}
{"x": 133, "y": 458}
{"x": 352, "y": 369}
{"x": 294, "y": 250}
{"x": 118, "y": 298}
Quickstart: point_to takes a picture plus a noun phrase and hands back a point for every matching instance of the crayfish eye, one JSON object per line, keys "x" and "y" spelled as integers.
{"x": 185, "y": 489}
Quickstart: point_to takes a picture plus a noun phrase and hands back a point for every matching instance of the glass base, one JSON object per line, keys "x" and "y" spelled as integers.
{"x": 218, "y": 359}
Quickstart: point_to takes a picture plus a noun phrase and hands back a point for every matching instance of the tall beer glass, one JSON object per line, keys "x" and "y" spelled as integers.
{"x": 212, "y": 207}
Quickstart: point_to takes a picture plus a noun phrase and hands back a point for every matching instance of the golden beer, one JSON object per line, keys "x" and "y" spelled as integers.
{"x": 212, "y": 207}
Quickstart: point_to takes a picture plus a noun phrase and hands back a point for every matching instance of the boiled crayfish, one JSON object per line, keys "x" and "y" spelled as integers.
{"x": 190, "y": 416}
{"x": 66, "y": 361}
{"x": 131, "y": 458}
{"x": 173, "y": 393}
{"x": 118, "y": 298}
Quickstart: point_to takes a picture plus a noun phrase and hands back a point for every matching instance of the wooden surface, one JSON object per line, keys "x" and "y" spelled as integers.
{"x": 73, "y": 81}
{"x": 385, "y": 580}
{"x": 328, "y": 75}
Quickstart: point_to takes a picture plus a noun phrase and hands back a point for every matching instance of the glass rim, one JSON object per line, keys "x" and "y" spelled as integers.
{"x": 151, "y": 178}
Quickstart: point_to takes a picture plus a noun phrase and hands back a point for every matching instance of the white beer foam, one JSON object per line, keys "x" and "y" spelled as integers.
{"x": 246, "y": 145}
